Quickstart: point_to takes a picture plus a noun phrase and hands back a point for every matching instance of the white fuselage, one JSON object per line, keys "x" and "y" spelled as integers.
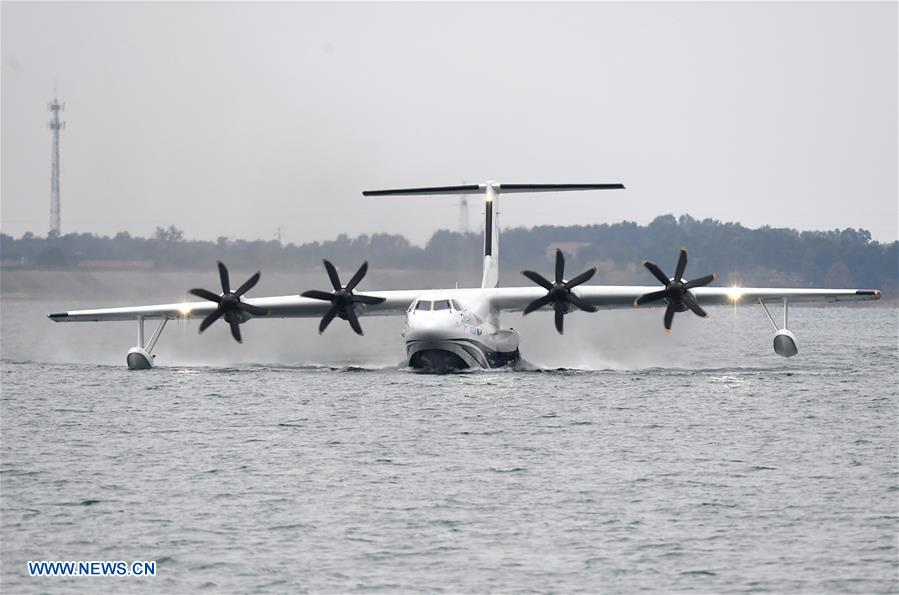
{"x": 445, "y": 331}
{"x": 460, "y": 330}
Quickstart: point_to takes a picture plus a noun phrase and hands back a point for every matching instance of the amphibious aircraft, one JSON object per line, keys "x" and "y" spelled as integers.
{"x": 447, "y": 329}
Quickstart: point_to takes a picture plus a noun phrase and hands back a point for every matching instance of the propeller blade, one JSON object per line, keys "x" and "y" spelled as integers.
{"x": 656, "y": 272}
{"x": 206, "y": 295}
{"x": 210, "y": 319}
{"x": 689, "y": 302}
{"x": 353, "y": 320}
{"x": 560, "y": 319}
{"x": 537, "y": 304}
{"x": 560, "y": 266}
{"x": 235, "y": 329}
{"x": 248, "y": 285}
{"x": 254, "y": 310}
{"x": 647, "y": 298}
{"x": 702, "y": 281}
{"x": 538, "y": 279}
{"x": 223, "y": 275}
{"x": 318, "y": 295}
{"x": 669, "y": 316}
{"x": 332, "y": 274}
{"x": 580, "y": 303}
{"x": 681, "y": 264}
{"x": 368, "y": 299}
{"x": 327, "y": 318}
{"x": 357, "y": 277}
{"x": 676, "y": 289}
{"x": 582, "y": 278}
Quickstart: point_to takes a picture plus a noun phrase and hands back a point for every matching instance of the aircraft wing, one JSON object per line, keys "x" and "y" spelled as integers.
{"x": 509, "y": 299}
{"x": 512, "y": 299}
{"x": 288, "y": 306}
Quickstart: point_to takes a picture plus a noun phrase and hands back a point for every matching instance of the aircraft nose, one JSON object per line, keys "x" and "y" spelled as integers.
{"x": 431, "y": 326}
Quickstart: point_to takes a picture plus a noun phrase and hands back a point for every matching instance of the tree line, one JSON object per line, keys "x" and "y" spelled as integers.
{"x": 776, "y": 256}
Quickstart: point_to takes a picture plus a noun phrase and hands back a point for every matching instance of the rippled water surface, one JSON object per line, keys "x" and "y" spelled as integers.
{"x": 709, "y": 464}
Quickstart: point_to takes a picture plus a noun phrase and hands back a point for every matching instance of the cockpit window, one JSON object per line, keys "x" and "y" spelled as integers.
{"x": 442, "y": 305}
{"x": 423, "y": 305}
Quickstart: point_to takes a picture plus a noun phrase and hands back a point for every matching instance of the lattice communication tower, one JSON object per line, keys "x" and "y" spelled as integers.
{"x": 55, "y": 126}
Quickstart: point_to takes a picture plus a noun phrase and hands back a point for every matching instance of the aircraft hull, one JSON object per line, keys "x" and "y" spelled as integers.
{"x": 447, "y": 355}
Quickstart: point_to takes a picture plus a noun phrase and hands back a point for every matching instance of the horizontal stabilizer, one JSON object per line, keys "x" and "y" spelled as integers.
{"x": 463, "y": 189}
{"x": 499, "y": 188}
{"x": 507, "y": 188}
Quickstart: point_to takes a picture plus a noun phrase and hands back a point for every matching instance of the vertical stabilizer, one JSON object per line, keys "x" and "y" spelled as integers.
{"x": 491, "y": 191}
{"x": 491, "y": 236}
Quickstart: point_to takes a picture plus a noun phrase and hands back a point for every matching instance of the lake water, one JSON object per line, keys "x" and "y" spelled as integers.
{"x": 624, "y": 459}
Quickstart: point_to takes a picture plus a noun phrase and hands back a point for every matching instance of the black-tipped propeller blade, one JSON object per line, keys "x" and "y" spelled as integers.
{"x": 354, "y": 321}
{"x": 560, "y": 265}
{"x": 210, "y": 319}
{"x": 229, "y": 303}
{"x": 669, "y": 315}
{"x": 248, "y": 284}
{"x": 223, "y": 275}
{"x": 681, "y": 264}
{"x": 559, "y": 294}
{"x": 656, "y": 272}
{"x": 251, "y": 309}
{"x": 677, "y": 291}
{"x": 332, "y": 275}
{"x": 538, "y": 279}
{"x": 582, "y": 278}
{"x": 368, "y": 300}
{"x": 206, "y": 295}
{"x": 580, "y": 303}
{"x": 538, "y": 303}
{"x": 343, "y": 299}
{"x": 327, "y": 318}
{"x": 560, "y": 321}
{"x": 694, "y": 307}
{"x": 650, "y": 297}
{"x": 701, "y": 282}
{"x": 318, "y": 295}
{"x": 354, "y": 281}
{"x": 235, "y": 329}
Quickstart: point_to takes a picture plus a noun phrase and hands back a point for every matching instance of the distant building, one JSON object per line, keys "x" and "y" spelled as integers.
{"x": 569, "y": 248}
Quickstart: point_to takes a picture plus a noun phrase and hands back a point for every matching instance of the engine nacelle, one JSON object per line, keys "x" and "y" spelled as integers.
{"x": 139, "y": 359}
{"x": 785, "y": 343}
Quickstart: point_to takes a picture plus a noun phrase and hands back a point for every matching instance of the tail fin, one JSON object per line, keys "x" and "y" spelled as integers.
{"x": 491, "y": 236}
{"x": 491, "y": 192}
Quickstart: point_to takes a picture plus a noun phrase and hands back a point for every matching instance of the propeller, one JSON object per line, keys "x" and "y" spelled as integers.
{"x": 229, "y": 303}
{"x": 559, "y": 294}
{"x": 677, "y": 291}
{"x": 343, "y": 299}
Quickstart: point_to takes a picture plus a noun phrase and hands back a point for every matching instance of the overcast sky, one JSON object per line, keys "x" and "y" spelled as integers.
{"x": 232, "y": 119}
